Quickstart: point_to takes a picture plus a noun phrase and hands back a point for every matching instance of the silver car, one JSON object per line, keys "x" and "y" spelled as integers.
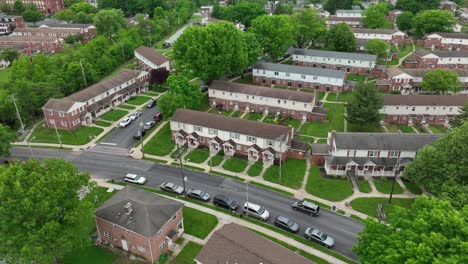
{"x": 255, "y": 211}
{"x": 171, "y": 187}
{"x": 135, "y": 116}
{"x": 313, "y": 234}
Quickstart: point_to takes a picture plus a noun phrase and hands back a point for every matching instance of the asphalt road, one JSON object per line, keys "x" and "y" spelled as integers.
{"x": 107, "y": 166}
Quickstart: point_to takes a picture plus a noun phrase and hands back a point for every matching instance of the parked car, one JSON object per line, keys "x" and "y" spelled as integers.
{"x": 151, "y": 103}
{"x": 198, "y": 195}
{"x": 133, "y": 178}
{"x": 148, "y": 125}
{"x": 135, "y": 116}
{"x": 316, "y": 235}
{"x": 125, "y": 122}
{"x": 256, "y": 211}
{"x": 157, "y": 117}
{"x": 306, "y": 207}
{"x": 231, "y": 75}
{"x": 139, "y": 134}
{"x": 287, "y": 224}
{"x": 171, "y": 187}
{"x": 225, "y": 202}
{"x": 203, "y": 88}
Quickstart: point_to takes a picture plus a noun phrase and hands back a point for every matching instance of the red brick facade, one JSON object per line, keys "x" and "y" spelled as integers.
{"x": 45, "y": 6}
{"x": 295, "y": 84}
{"x": 431, "y": 63}
{"x": 63, "y": 120}
{"x": 347, "y": 69}
{"x": 436, "y": 43}
{"x": 317, "y": 159}
{"x": 417, "y": 119}
{"x": 34, "y": 44}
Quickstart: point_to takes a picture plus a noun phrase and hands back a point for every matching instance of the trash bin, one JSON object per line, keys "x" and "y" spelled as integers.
{"x": 333, "y": 208}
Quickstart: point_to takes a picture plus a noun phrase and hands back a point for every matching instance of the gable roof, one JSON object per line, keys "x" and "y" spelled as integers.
{"x": 236, "y": 244}
{"x": 353, "y": 11}
{"x": 442, "y": 53}
{"x": 47, "y": 30}
{"x": 231, "y": 124}
{"x": 149, "y": 213}
{"x": 152, "y": 55}
{"x": 346, "y": 19}
{"x": 450, "y": 35}
{"x": 415, "y": 72}
{"x": 299, "y": 69}
{"x": 375, "y": 31}
{"x": 65, "y": 25}
{"x": 383, "y": 141}
{"x": 424, "y": 99}
{"x": 58, "y": 104}
{"x": 336, "y": 54}
{"x": 262, "y": 91}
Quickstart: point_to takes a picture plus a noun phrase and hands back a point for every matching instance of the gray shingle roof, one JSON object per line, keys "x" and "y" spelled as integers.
{"x": 423, "y": 99}
{"x": 58, "y": 104}
{"x": 383, "y": 141}
{"x": 299, "y": 69}
{"x": 150, "y": 211}
{"x": 262, "y": 91}
{"x": 374, "y": 31}
{"x": 450, "y": 53}
{"x": 415, "y": 72}
{"x": 320, "y": 148}
{"x": 231, "y": 124}
{"x": 451, "y": 35}
{"x": 152, "y": 55}
{"x": 364, "y": 160}
{"x": 336, "y": 54}
{"x": 349, "y": 11}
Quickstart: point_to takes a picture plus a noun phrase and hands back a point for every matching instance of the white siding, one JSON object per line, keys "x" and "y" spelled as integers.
{"x": 298, "y": 77}
{"x": 334, "y": 61}
{"x": 419, "y": 110}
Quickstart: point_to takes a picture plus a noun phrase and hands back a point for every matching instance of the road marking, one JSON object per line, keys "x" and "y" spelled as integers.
{"x": 104, "y": 143}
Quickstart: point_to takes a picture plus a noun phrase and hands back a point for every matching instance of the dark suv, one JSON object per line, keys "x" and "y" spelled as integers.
{"x": 225, "y": 202}
{"x": 306, "y": 207}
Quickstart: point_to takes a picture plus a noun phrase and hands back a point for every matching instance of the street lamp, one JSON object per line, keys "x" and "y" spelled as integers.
{"x": 394, "y": 178}
{"x": 142, "y": 140}
{"x": 58, "y": 136}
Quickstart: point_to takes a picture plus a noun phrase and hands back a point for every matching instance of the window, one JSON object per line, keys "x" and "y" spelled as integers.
{"x": 279, "y": 101}
{"x": 141, "y": 249}
{"x": 64, "y": 123}
{"x": 305, "y": 105}
{"x": 294, "y": 103}
{"x": 303, "y": 76}
{"x": 276, "y": 73}
{"x": 212, "y": 131}
{"x": 397, "y": 107}
{"x": 413, "y": 108}
{"x": 198, "y": 128}
{"x": 108, "y": 235}
{"x": 162, "y": 245}
{"x": 252, "y": 139}
{"x": 450, "y": 109}
{"x": 287, "y": 74}
{"x": 174, "y": 217}
{"x": 315, "y": 77}
{"x": 50, "y": 112}
{"x": 427, "y": 107}
{"x": 238, "y": 147}
{"x": 61, "y": 114}
{"x": 372, "y": 153}
{"x": 201, "y": 139}
{"x": 393, "y": 154}
{"x": 235, "y": 135}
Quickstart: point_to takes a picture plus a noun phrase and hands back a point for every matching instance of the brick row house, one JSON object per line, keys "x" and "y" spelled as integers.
{"x": 355, "y": 63}
{"x": 450, "y": 41}
{"x": 438, "y": 59}
{"x": 87, "y": 30}
{"x": 353, "y": 22}
{"x": 22, "y": 50}
{"x": 140, "y": 222}
{"x": 423, "y": 109}
{"x": 150, "y": 59}
{"x": 33, "y": 44}
{"x": 409, "y": 80}
{"x": 391, "y": 36}
{"x": 348, "y": 13}
{"x": 44, "y": 6}
{"x": 369, "y": 154}
{"x": 252, "y": 98}
{"x": 61, "y": 33}
{"x": 82, "y": 107}
{"x": 283, "y": 75}
{"x": 235, "y": 136}
{"x": 9, "y": 23}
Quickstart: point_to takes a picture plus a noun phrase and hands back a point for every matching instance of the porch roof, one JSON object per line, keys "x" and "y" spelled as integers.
{"x": 361, "y": 161}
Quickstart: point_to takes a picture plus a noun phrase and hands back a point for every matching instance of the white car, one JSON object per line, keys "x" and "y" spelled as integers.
{"x": 135, "y": 116}
{"x": 133, "y": 178}
{"x": 256, "y": 211}
{"x": 125, "y": 122}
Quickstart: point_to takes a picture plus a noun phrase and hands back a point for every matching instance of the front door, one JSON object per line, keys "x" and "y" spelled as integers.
{"x": 124, "y": 245}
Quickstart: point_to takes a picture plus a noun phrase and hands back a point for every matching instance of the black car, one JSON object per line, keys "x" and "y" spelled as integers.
{"x": 139, "y": 134}
{"x": 225, "y": 202}
{"x": 198, "y": 195}
{"x": 151, "y": 103}
{"x": 306, "y": 207}
{"x": 286, "y": 224}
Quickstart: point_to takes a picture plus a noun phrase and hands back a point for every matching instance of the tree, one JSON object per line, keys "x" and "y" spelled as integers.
{"x": 65, "y": 15}
{"x": 252, "y": 47}
{"x": 275, "y": 34}
{"x": 243, "y": 12}
{"x": 83, "y": 7}
{"x": 211, "y": 52}
{"x": 69, "y": 3}
{"x": 9, "y": 54}
{"x": 340, "y": 38}
{"x": 364, "y": 106}
{"x": 42, "y": 216}
{"x": 6, "y": 137}
{"x": 433, "y": 21}
{"x": 415, "y": 6}
{"x": 158, "y": 76}
{"x": 30, "y": 15}
{"x": 5, "y": 8}
{"x": 284, "y": 9}
{"x": 441, "y": 167}
{"x": 309, "y": 26}
{"x": 109, "y": 21}
{"x": 462, "y": 116}
{"x": 333, "y": 5}
{"x": 431, "y": 231}
{"x": 405, "y": 21}
{"x": 72, "y": 39}
{"x": 18, "y": 6}
{"x": 377, "y": 47}
{"x": 374, "y": 16}
{"x": 182, "y": 94}
{"x": 441, "y": 81}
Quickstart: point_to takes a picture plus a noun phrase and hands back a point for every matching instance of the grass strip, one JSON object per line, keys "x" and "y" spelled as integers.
{"x": 261, "y": 185}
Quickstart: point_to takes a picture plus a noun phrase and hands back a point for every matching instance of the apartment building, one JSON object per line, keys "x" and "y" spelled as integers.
{"x": 9, "y": 23}
{"x": 391, "y": 36}
{"x": 353, "y": 22}
{"x": 438, "y": 59}
{"x": 150, "y": 59}
{"x": 349, "y": 13}
{"x": 45, "y": 6}
{"x": 450, "y": 41}
{"x": 34, "y": 44}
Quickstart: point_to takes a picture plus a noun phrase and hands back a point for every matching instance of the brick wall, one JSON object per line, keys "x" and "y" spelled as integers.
{"x": 353, "y": 70}
{"x": 64, "y": 122}
{"x": 317, "y": 160}
{"x": 285, "y": 83}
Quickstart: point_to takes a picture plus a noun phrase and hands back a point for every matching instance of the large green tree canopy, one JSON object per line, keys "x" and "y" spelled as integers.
{"x": 243, "y": 12}
{"x": 415, "y": 6}
{"x": 433, "y": 21}
{"x": 432, "y": 231}
{"x": 182, "y": 94}
{"x": 441, "y": 81}
{"x": 333, "y": 5}
{"x": 309, "y": 26}
{"x": 340, "y": 38}
{"x": 42, "y": 216}
{"x": 442, "y": 168}
{"x": 363, "y": 108}
{"x": 6, "y": 137}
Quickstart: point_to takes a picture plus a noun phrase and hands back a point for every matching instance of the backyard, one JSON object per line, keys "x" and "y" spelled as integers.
{"x": 385, "y": 186}
{"x": 315, "y": 129}
{"x": 336, "y": 119}
{"x": 255, "y": 169}
{"x": 235, "y": 164}
{"x": 114, "y": 115}
{"x": 188, "y": 253}
{"x": 368, "y": 206}
{"x": 197, "y": 223}
{"x": 393, "y": 128}
{"x": 329, "y": 189}
{"x": 247, "y": 79}
{"x": 355, "y": 77}
{"x": 253, "y": 116}
{"x": 79, "y": 136}
{"x": 292, "y": 173}
{"x": 138, "y": 100}
{"x": 161, "y": 144}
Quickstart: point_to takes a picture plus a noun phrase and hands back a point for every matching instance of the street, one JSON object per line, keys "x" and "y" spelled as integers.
{"x": 108, "y": 166}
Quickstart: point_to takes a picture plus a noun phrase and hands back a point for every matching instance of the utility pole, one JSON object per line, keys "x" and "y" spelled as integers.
{"x": 30, "y": 149}
{"x": 142, "y": 140}
{"x": 280, "y": 157}
{"x": 184, "y": 179}
{"x": 17, "y": 113}
{"x": 58, "y": 136}
{"x": 82, "y": 72}
{"x": 394, "y": 178}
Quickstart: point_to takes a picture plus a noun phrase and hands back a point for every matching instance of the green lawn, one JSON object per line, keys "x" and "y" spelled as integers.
{"x": 329, "y": 189}
{"x": 102, "y": 123}
{"x": 404, "y": 50}
{"x": 247, "y": 79}
{"x": 406, "y": 129}
{"x": 438, "y": 129}
{"x": 331, "y": 97}
{"x": 90, "y": 254}
{"x": 205, "y": 105}
{"x": 315, "y": 129}
{"x": 158, "y": 89}
{"x": 216, "y": 160}
{"x": 392, "y": 128}
{"x": 253, "y": 116}
{"x": 322, "y": 140}
{"x": 368, "y": 206}
{"x": 236, "y": 114}
{"x": 355, "y": 77}
{"x": 367, "y": 128}
{"x": 293, "y": 123}
{"x": 235, "y": 164}
{"x": 188, "y": 254}
{"x": 161, "y": 144}
{"x": 412, "y": 187}
{"x": 321, "y": 94}
{"x": 79, "y": 136}
{"x": 128, "y": 107}
{"x": 198, "y": 223}
{"x": 114, "y": 115}
{"x": 292, "y": 173}
{"x": 304, "y": 138}
{"x": 385, "y": 186}
{"x": 364, "y": 186}
{"x": 5, "y": 75}
{"x": 197, "y": 156}
{"x": 421, "y": 129}
{"x": 138, "y": 100}
{"x": 345, "y": 97}
{"x": 336, "y": 119}
{"x": 255, "y": 169}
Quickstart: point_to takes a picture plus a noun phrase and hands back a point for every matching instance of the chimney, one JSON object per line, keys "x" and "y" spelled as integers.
{"x": 128, "y": 208}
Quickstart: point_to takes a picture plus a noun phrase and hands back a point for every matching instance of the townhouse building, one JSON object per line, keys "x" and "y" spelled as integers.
{"x": 9, "y": 23}
{"x": 34, "y": 44}
{"x": 60, "y": 33}
{"x": 392, "y": 16}
{"x": 450, "y": 41}
{"x": 448, "y": 5}
{"x": 391, "y": 36}
{"x": 83, "y": 106}
{"x": 234, "y": 136}
{"x": 353, "y": 22}
{"x": 349, "y": 13}
{"x": 279, "y": 102}
{"x": 369, "y": 154}
{"x": 44, "y": 6}
{"x": 150, "y": 59}
{"x": 438, "y": 59}
{"x": 355, "y": 63}
{"x": 87, "y": 30}
{"x": 283, "y": 75}
{"x": 140, "y": 222}
{"x": 422, "y": 109}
